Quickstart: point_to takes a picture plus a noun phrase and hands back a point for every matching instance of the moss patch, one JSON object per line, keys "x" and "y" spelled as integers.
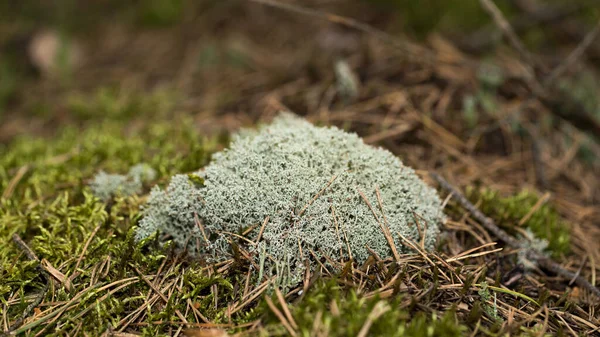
{"x": 329, "y": 310}
{"x": 46, "y": 200}
{"x": 544, "y": 222}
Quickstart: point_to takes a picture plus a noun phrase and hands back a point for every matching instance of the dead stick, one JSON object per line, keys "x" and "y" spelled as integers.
{"x": 493, "y": 10}
{"x": 574, "y": 56}
{"x": 477, "y": 214}
{"x": 532, "y": 254}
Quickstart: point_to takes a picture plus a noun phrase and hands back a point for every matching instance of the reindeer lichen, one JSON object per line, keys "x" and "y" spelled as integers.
{"x": 104, "y": 185}
{"x": 321, "y": 193}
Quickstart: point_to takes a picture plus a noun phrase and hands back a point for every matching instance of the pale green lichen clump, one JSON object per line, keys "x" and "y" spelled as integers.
{"x": 307, "y": 181}
{"x": 105, "y": 186}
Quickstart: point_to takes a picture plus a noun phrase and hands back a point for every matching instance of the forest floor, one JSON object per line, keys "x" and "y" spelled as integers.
{"x": 513, "y": 128}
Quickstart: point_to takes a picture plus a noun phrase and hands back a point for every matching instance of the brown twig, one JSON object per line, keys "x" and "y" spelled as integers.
{"x": 476, "y": 213}
{"x": 405, "y": 46}
{"x": 575, "y": 55}
{"x": 490, "y": 7}
{"x": 531, "y": 254}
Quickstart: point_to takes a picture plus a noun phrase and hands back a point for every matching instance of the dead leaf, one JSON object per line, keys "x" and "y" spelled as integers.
{"x": 57, "y": 274}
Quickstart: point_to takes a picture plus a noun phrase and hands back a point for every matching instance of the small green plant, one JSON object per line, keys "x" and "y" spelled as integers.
{"x": 490, "y": 78}
{"x": 545, "y": 223}
{"x": 486, "y": 296}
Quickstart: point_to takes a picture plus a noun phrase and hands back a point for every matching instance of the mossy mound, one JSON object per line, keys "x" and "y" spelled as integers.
{"x": 320, "y": 193}
{"x": 544, "y": 222}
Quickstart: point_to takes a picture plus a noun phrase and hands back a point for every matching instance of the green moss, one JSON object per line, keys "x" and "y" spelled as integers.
{"x": 159, "y": 13}
{"x": 315, "y": 311}
{"x": 121, "y": 103}
{"x": 73, "y": 157}
{"x": 46, "y": 200}
{"x": 545, "y": 223}
{"x": 424, "y": 17}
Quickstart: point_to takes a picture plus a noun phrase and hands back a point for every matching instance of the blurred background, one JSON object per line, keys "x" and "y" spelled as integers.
{"x": 430, "y": 80}
{"x": 69, "y": 61}
{"x": 500, "y": 97}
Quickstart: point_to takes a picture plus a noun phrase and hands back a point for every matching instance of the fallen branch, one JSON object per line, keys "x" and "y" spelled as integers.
{"x": 531, "y": 253}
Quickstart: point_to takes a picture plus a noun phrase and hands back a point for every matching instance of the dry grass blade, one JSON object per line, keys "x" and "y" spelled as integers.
{"x": 469, "y": 251}
{"x": 40, "y": 297}
{"x": 535, "y": 207}
{"x": 317, "y": 195}
{"x": 250, "y": 297}
{"x": 379, "y": 309}
{"x": 474, "y": 255}
{"x": 286, "y": 310}
{"x": 85, "y": 247}
{"x": 280, "y": 316}
{"x": 384, "y": 229}
{"x": 159, "y": 293}
{"x": 416, "y": 247}
{"x": 333, "y": 214}
{"x": 14, "y": 181}
{"x": 201, "y": 227}
{"x": 57, "y": 274}
{"x": 205, "y": 333}
{"x": 262, "y": 229}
